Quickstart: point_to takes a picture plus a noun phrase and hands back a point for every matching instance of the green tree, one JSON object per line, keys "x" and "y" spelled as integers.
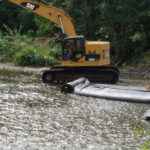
{"x": 8, "y": 15}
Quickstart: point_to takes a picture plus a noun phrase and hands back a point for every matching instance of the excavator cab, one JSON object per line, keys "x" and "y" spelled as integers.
{"x": 73, "y": 48}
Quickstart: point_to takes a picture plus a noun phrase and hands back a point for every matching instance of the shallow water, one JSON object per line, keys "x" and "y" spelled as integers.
{"x": 34, "y": 116}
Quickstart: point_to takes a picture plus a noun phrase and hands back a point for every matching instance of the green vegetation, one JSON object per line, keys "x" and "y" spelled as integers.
{"x": 124, "y": 23}
{"x": 24, "y": 50}
{"x": 35, "y": 55}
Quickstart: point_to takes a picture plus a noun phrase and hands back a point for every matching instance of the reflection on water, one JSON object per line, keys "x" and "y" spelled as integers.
{"x": 34, "y": 116}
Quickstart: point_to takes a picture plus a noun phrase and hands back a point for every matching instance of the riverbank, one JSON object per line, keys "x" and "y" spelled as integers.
{"x": 12, "y": 67}
{"x": 136, "y": 72}
{"x": 124, "y": 72}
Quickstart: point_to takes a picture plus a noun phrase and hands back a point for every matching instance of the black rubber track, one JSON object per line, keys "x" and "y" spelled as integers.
{"x": 104, "y": 74}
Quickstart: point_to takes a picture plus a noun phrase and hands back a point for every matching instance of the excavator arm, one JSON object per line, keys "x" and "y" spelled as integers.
{"x": 52, "y": 13}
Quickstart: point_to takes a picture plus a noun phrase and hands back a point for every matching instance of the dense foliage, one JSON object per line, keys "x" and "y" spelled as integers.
{"x": 24, "y": 50}
{"x": 125, "y": 23}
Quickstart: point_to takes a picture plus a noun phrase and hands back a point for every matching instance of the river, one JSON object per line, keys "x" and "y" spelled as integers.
{"x": 35, "y": 116}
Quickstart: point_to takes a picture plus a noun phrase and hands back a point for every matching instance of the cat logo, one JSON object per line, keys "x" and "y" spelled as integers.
{"x": 30, "y": 5}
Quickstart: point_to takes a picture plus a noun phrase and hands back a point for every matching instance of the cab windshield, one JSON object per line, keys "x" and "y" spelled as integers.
{"x": 72, "y": 47}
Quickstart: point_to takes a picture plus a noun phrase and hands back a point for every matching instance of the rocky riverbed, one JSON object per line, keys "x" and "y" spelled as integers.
{"x": 35, "y": 116}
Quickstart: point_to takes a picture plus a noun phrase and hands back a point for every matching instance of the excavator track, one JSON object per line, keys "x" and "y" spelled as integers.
{"x": 103, "y": 74}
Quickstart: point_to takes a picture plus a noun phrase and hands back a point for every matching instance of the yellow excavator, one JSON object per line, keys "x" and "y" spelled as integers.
{"x": 80, "y": 58}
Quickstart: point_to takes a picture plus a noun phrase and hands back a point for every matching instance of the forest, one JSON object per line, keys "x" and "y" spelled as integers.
{"x": 125, "y": 23}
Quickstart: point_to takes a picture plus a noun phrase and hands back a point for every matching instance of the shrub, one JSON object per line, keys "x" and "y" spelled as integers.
{"x": 11, "y": 42}
{"x": 33, "y": 55}
{"x": 26, "y": 51}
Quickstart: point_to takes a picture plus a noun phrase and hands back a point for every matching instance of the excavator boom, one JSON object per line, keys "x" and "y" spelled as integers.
{"x": 56, "y": 15}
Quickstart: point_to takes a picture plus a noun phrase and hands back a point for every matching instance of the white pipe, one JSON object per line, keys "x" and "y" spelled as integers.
{"x": 61, "y": 24}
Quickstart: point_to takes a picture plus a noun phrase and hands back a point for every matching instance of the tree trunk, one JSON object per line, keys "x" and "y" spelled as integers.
{"x": 89, "y": 16}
